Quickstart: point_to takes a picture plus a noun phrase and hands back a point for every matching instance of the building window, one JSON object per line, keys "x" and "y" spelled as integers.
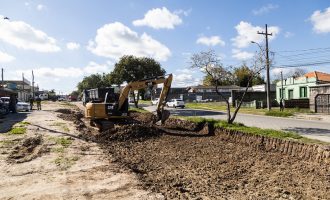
{"x": 282, "y": 93}
{"x": 303, "y": 92}
{"x": 290, "y": 94}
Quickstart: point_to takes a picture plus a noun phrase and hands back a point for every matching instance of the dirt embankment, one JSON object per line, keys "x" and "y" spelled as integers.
{"x": 191, "y": 164}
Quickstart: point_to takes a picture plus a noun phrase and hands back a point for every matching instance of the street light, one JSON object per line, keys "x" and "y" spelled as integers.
{"x": 253, "y": 42}
{"x": 267, "y": 71}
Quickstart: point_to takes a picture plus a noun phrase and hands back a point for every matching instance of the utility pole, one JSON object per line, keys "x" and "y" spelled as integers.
{"x": 282, "y": 92}
{"x": 22, "y": 93}
{"x": 2, "y": 77}
{"x": 32, "y": 85}
{"x": 267, "y": 67}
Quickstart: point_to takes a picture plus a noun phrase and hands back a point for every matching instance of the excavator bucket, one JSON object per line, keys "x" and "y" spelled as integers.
{"x": 162, "y": 116}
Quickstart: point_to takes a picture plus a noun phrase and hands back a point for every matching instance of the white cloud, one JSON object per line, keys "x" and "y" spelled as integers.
{"x": 26, "y": 3}
{"x": 265, "y": 9}
{"x": 41, "y": 7}
{"x": 247, "y": 33}
{"x": 68, "y": 72}
{"x": 241, "y": 55}
{"x": 115, "y": 40}
{"x": 321, "y": 21}
{"x": 4, "y": 57}
{"x": 159, "y": 18}
{"x": 210, "y": 41}
{"x": 72, "y": 45}
{"x": 288, "y": 34}
{"x": 185, "y": 77}
{"x": 94, "y": 67}
{"x": 24, "y": 36}
{"x": 183, "y": 12}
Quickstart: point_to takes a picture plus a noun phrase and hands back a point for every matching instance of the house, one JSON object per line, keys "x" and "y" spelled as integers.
{"x": 298, "y": 88}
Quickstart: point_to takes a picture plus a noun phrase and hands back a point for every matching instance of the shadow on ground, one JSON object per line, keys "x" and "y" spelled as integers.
{"x": 7, "y": 121}
{"x": 192, "y": 112}
{"x": 309, "y": 131}
{"x": 55, "y": 131}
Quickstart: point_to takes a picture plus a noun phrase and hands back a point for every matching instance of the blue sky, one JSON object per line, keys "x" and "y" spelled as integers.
{"x": 63, "y": 41}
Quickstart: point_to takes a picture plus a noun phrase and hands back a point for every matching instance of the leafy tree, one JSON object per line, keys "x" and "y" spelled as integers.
{"x": 227, "y": 80}
{"x": 131, "y": 68}
{"x": 211, "y": 65}
{"x": 242, "y": 75}
{"x": 92, "y": 81}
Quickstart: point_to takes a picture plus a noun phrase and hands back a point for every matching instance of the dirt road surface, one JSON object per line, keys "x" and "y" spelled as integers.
{"x": 49, "y": 161}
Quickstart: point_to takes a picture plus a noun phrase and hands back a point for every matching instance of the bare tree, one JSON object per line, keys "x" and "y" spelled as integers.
{"x": 295, "y": 72}
{"x": 210, "y": 64}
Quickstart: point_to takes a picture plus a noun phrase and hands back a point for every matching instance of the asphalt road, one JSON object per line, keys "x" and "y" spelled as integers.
{"x": 308, "y": 128}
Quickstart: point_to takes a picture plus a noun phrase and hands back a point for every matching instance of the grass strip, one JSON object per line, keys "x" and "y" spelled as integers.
{"x": 254, "y": 130}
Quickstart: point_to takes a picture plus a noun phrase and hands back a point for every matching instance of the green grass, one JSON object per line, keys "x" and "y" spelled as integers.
{"x": 277, "y": 113}
{"x": 65, "y": 142}
{"x": 65, "y": 163}
{"x": 62, "y": 125}
{"x": 222, "y": 107}
{"x": 24, "y": 123}
{"x": 17, "y": 131}
{"x": 254, "y": 130}
{"x": 58, "y": 149}
{"x": 145, "y": 102}
{"x": 141, "y": 110}
{"x": 7, "y": 143}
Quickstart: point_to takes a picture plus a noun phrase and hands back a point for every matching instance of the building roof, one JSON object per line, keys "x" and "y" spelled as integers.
{"x": 320, "y": 76}
{"x": 213, "y": 87}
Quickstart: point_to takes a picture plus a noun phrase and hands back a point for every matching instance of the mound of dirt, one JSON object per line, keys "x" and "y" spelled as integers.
{"x": 64, "y": 111}
{"x": 180, "y": 124}
{"x": 131, "y": 132}
{"x": 70, "y": 115}
{"x": 144, "y": 118}
{"x": 29, "y": 149}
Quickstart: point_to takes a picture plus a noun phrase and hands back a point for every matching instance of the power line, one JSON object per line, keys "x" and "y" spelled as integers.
{"x": 304, "y": 49}
{"x": 302, "y": 64}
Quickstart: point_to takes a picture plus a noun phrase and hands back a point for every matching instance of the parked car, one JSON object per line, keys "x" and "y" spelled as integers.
{"x": 4, "y": 109}
{"x": 5, "y": 99}
{"x": 22, "y": 106}
{"x": 175, "y": 103}
{"x": 155, "y": 101}
{"x": 61, "y": 99}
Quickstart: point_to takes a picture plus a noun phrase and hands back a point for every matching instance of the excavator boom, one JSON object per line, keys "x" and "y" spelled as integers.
{"x": 136, "y": 85}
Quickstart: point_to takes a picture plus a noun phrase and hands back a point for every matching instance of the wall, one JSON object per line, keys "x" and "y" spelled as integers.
{"x": 315, "y": 91}
{"x": 251, "y": 96}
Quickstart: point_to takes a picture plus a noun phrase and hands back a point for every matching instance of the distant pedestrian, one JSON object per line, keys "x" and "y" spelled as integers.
{"x": 12, "y": 103}
{"x": 282, "y": 105}
{"x": 38, "y": 100}
{"x": 31, "y": 102}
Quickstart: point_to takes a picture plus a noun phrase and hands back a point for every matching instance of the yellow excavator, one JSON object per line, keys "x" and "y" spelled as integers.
{"x": 103, "y": 110}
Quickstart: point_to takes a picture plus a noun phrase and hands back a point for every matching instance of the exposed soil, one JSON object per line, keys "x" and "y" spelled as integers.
{"x": 51, "y": 161}
{"x": 194, "y": 165}
{"x": 27, "y": 150}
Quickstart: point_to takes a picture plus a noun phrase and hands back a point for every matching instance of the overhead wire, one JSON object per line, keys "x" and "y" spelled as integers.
{"x": 309, "y": 58}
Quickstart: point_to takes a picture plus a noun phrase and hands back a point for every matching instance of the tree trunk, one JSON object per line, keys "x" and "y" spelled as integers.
{"x": 135, "y": 100}
{"x": 240, "y": 101}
